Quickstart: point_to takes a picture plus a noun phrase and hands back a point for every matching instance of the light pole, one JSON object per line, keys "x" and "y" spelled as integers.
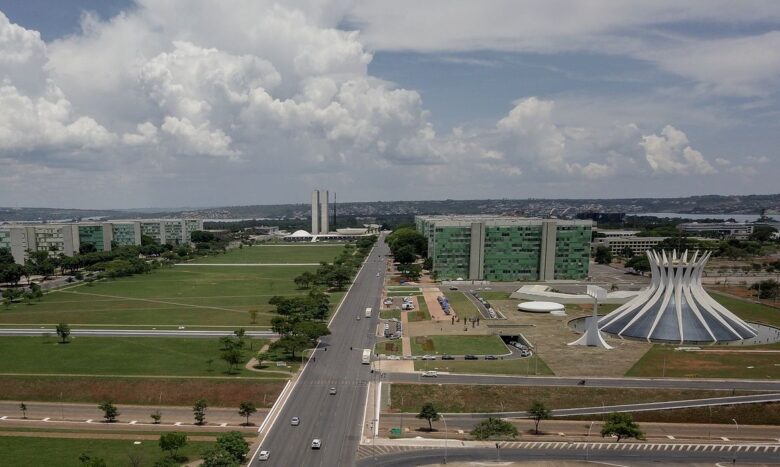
{"x": 587, "y": 442}
{"x": 737, "y": 449}
{"x": 445, "y": 437}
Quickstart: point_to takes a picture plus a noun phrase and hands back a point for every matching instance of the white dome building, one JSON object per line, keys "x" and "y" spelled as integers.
{"x": 675, "y": 307}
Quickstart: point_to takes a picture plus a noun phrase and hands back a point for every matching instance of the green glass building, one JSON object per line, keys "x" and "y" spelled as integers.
{"x": 501, "y": 248}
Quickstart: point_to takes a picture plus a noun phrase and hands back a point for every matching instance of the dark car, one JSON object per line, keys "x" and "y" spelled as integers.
{"x": 471, "y": 357}
{"x": 491, "y": 357}
{"x": 447, "y": 357}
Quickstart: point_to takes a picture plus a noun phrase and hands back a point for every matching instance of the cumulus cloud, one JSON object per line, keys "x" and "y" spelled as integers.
{"x": 670, "y": 152}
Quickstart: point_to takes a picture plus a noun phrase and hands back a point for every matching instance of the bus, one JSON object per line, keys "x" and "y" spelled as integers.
{"x": 368, "y": 312}
{"x": 366, "y": 356}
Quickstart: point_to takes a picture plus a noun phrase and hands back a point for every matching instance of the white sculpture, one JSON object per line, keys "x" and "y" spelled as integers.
{"x": 675, "y": 307}
{"x": 592, "y": 336}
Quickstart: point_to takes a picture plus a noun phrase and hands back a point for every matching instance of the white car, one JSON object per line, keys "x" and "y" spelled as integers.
{"x": 264, "y": 455}
{"x": 429, "y": 357}
{"x": 430, "y": 374}
{"x": 295, "y": 421}
{"x": 316, "y": 443}
{"x": 377, "y": 274}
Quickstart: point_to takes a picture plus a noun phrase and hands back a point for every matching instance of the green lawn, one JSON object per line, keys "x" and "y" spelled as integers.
{"x": 155, "y": 356}
{"x": 458, "y": 345}
{"x": 493, "y": 295}
{"x": 749, "y": 311}
{"x": 389, "y": 348}
{"x": 404, "y": 294}
{"x": 18, "y": 451}
{"x": 276, "y": 254}
{"x": 525, "y": 366}
{"x": 180, "y": 295}
{"x": 463, "y": 307}
{"x": 421, "y": 314}
{"x": 663, "y": 360}
{"x": 388, "y": 314}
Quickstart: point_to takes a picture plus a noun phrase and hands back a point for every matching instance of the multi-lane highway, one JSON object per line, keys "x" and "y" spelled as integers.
{"x": 209, "y": 334}
{"x": 334, "y": 419}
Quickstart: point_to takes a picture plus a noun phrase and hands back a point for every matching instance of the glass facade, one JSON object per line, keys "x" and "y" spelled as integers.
{"x": 152, "y": 229}
{"x": 572, "y": 251}
{"x": 451, "y": 250}
{"x": 512, "y": 253}
{"x": 91, "y": 234}
{"x": 124, "y": 234}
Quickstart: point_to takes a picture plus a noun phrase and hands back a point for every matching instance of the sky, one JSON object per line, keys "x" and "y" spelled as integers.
{"x": 172, "y": 103}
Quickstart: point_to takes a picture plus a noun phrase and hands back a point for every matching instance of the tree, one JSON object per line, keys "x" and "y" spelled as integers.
{"x": 767, "y": 289}
{"x": 492, "y": 428}
{"x": 200, "y": 236}
{"x": 621, "y": 425}
{"x": 85, "y": 248}
{"x": 63, "y": 330}
{"x": 234, "y": 443}
{"x": 11, "y": 273}
{"x": 253, "y": 316}
{"x": 405, "y": 255}
{"x": 603, "y": 255}
{"x": 245, "y": 409}
{"x": 156, "y": 417}
{"x": 23, "y": 408}
{"x": 110, "y": 412}
{"x": 89, "y": 461}
{"x": 429, "y": 412}
{"x": 305, "y": 280}
{"x": 762, "y": 233}
{"x": 293, "y": 344}
{"x": 233, "y": 357}
{"x": 639, "y": 263}
{"x": 538, "y": 412}
{"x": 428, "y": 264}
{"x": 6, "y": 257}
{"x": 199, "y": 410}
{"x": 172, "y": 442}
{"x": 218, "y": 457}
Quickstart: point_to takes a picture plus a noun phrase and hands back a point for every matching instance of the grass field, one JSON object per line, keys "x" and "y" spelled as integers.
{"x": 493, "y": 295}
{"x": 463, "y": 307}
{"x": 664, "y": 360}
{"x": 749, "y": 311}
{"x": 404, "y": 294}
{"x": 276, "y": 254}
{"x": 458, "y": 345}
{"x": 18, "y": 451}
{"x": 389, "y": 348}
{"x": 136, "y": 356}
{"x": 181, "y": 295}
{"x": 493, "y": 398}
{"x": 141, "y": 391}
{"x": 388, "y": 314}
{"x": 524, "y": 366}
{"x": 753, "y": 414}
{"x": 421, "y": 314}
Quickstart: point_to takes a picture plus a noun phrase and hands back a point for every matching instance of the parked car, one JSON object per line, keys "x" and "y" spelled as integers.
{"x": 453, "y": 288}
{"x": 295, "y": 421}
{"x": 430, "y": 374}
{"x": 491, "y": 357}
{"x": 316, "y": 443}
{"x": 332, "y": 391}
{"x": 264, "y": 455}
{"x": 471, "y": 357}
{"x": 429, "y": 357}
{"x": 525, "y": 353}
{"x": 447, "y": 357}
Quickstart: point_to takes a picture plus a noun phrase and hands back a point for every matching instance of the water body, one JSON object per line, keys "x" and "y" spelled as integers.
{"x": 675, "y": 215}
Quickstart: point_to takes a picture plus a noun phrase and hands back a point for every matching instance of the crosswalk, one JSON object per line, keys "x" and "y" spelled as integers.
{"x": 368, "y": 450}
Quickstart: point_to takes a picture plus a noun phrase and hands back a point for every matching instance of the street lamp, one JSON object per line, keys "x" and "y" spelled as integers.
{"x": 737, "y": 449}
{"x": 587, "y": 442}
{"x": 445, "y": 437}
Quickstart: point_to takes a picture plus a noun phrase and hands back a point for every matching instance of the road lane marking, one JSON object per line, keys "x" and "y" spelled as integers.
{"x": 133, "y": 422}
{"x": 223, "y": 424}
{"x": 670, "y": 437}
{"x": 724, "y": 438}
{"x": 3, "y": 417}
{"x": 47, "y": 419}
{"x": 177, "y": 424}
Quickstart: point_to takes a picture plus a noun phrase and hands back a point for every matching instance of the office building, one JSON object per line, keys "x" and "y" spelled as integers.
{"x": 738, "y": 230}
{"x": 70, "y": 238}
{"x": 319, "y": 212}
{"x": 502, "y": 248}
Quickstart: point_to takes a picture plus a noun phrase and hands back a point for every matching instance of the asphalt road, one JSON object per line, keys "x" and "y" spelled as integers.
{"x": 334, "y": 419}
{"x": 632, "y": 457}
{"x": 43, "y": 331}
{"x": 553, "y": 381}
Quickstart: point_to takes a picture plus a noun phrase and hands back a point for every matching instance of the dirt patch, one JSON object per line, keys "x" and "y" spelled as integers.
{"x": 425, "y": 343}
{"x": 391, "y": 347}
{"x": 219, "y": 393}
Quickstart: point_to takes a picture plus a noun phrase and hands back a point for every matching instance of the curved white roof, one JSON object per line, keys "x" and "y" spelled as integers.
{"x": 301, "y": 233}
{"x": 540, "y": 307}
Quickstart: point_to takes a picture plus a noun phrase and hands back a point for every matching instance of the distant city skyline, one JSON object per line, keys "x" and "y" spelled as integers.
{"x": 131, "y": 104}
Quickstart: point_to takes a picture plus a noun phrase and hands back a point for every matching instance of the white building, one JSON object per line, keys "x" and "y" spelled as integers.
{"x": 319, "y": 212}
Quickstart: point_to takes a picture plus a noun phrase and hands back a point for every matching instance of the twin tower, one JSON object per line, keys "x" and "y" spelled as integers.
{"x": 319, "y": 212}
